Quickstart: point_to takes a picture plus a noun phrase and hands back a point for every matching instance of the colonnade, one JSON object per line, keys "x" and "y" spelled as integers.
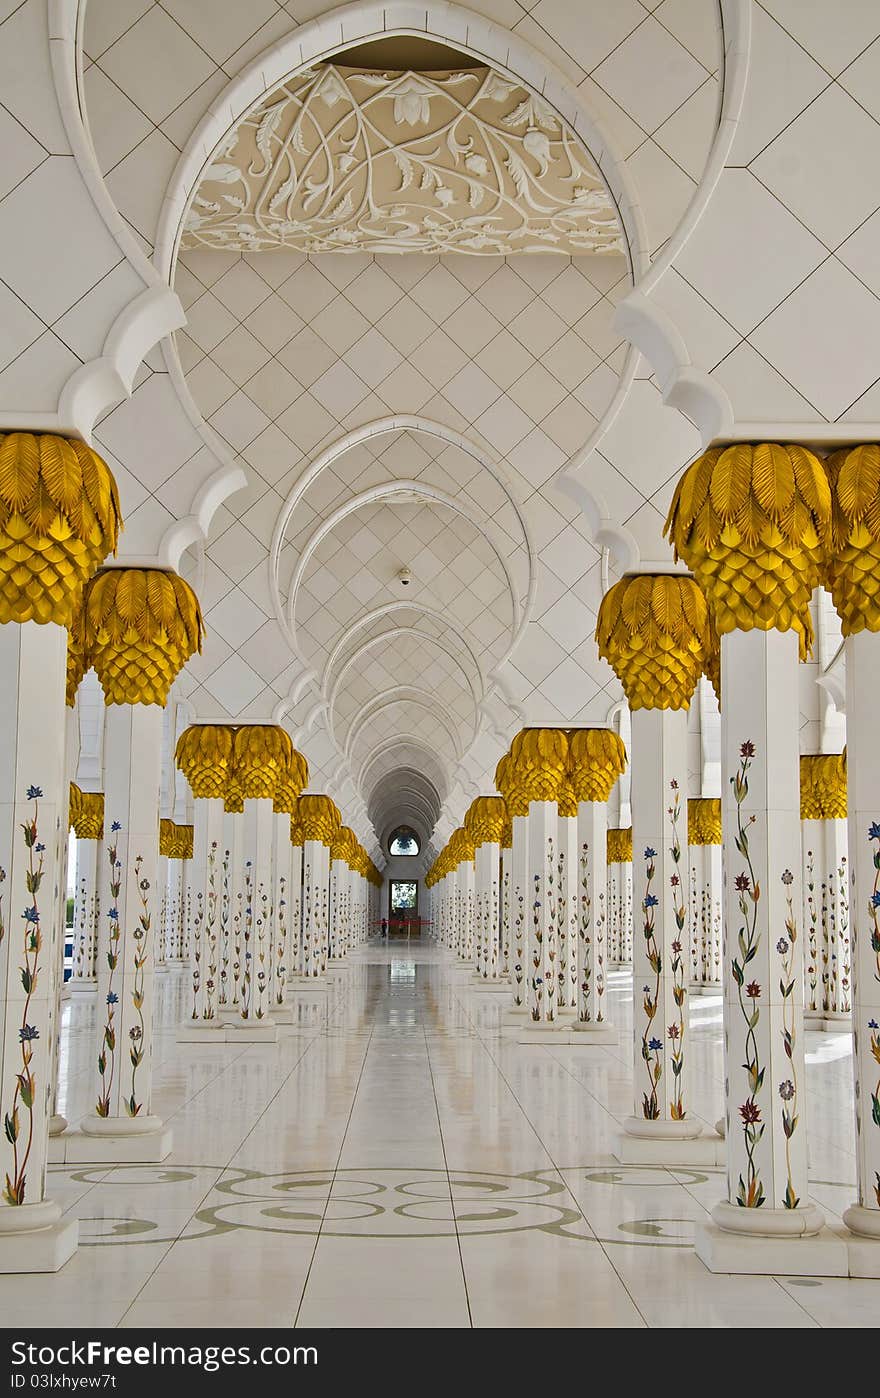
{"x": 758, "y": 893}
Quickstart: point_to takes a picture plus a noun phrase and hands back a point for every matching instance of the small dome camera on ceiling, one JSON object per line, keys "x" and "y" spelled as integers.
{"x": 405, "y": 577}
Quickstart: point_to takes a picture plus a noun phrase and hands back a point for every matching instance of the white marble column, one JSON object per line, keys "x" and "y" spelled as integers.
{"x": 592, "y": 923}
{"x": 542, "y": 911}
{"x": 296, "y": 958}
{"x": 487, "y": 874}
{"x": 33, "y": 825}
{"x": 568, "y": 866}
{"x": 705, "y": 895}
{"x": 863, "y": 780}
{"x": 174, "y": 947}
{"x": 766, "y": 1140}
{"x": 204, "y": 959}
{"x": 316, "y": 892}
{"x": 505, "y": 960}
{"x": 254, "y": 1019}
{"x": 620, "y": 897}
{"x": 85, "y": 915}
{"x": 282, "y": 862}
{"x": 121, "y": 1123}
{"x": 663, "y": 1121}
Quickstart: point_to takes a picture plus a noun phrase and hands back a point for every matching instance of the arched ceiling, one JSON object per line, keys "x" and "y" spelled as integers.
{"x": 413, "y": 409}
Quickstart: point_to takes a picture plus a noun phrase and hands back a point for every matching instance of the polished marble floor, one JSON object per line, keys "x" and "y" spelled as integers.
{"x": 398, "y": 1160}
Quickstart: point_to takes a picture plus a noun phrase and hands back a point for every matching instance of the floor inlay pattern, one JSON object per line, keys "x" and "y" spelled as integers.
{"x": 397, "y": 1159}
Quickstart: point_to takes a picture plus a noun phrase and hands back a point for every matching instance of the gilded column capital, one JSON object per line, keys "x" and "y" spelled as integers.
{"x": 753, "y": 523}
{"x": 141, "y": 627}
{"x": 59, "y": 519}
{"x": 290, "y": 784}
{"x": 296, "y": 830}
{"x": 343, "y": 843}
{"x": 823, "y": 786}
{"x": 77, "y": 662}
{"x": 654, "y": 630}
{"x": 183, "y": 845}
{"x": 538, "y": 760}
{"x": 619, "y": 845}
{"x": 485, "y": 820}
{"x": 319, "y": 818}
{"x": 87, "y": 815}
{"x": 704, "y": 820}
{"x": 566, "y": 801}
{"x": 261, "y": 757}
{"x": 596, "y": 758}
{"x": 461, "y": 846}
{"x": 74, "y": 806}
{"x": 204, "y": 754}
{"x": 167, "y": 831}
{"x": 853, "y": 571}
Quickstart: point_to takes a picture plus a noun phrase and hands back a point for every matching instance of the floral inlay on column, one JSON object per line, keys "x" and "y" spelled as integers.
{"x": 107, "y": 1053}
{"x": 750, "y": 1191}
{"x": 788, "y": 1088}
{"x": 677, "y": 1031}
{"x": 652, "y": 1047}
{"x": 20, "y": 1132}
{"x": 139, "y": 956}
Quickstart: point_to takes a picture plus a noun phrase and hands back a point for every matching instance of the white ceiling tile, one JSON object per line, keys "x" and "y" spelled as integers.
{"x": 536, "y": 457}
{"x": 339, "y": 389}
{"x": 106, "y": 20}
{"x": 571, "y": 294}
{"x": 208, "y": 322}
{"x": 209, "y": 386}
{"x": 242, "y": 291}
{"x": 650, "y": 74}
{"x": 695, "y": 25}
{"x": 747, "y": 252}
{"x": 235, "y": 618}
{"x": 471, "y": 327}
{"x": 340, "y": 324}
{"x": 372, "y": 358}
{"x": 505, "y": 294}
{"x": 687, "y": 136}
{"x": 236, "y": 552}
{"x": 471, "y": 391}
{"x": 537, "y": 327}
{"x": 306, "y": 356}
{"x": 33, "y": 381}
{"x": 597, "y": 390}
{"x": 239, "y": 420}
{"x": 438, "y": 359}
{"x": 273, "y": 389}
{"x": 156, "y": 64}
{"x": 504, "y": 359}
{"x": 404, "y": 390}
{"x": 862, "y": 79}
{"x": 137, "y": 184}
{"x": 569, "y": 688}
{"x": 19, "y": 327}
{"x": 406, "y": 326}
{"x": 537, "y": 654}
{"x": 306, "y": 291}
{"x": 824, "y": 339}
{"x": 150, "y": 432}
{"x": 373, "y": 293}
{"x": 588, "y": 33}
{"x": 26, "y": 80}
{"x": 707, "y": 335}
{"x": 825, "y": 167}
{"x": 50, "y": 284}
{"x": 179, "y": 126}
{"x": 273, "y": 323}
{"x": 504, "y": 424}
{"x": 223, "y": 26}
{"x": 861, "y": 253}
{"x": 234, "y": 684}
{"x": 664, "y": 188}
{"x": 570, "y": 360}
{"x": 834, "y": 35}
{"x": 569, "y": 425}
{"x": 537, "y": 392}
{"x": 626, "y": 134}
{"x": 116, "y": 124}
{"x": 306, "y": 422}
{"x": 273, "y": 454}
{"x": 438, "y": 294}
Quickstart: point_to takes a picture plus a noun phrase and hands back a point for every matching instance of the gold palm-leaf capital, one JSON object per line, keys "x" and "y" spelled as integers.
{"x": 619, "y": 845}
{"x": 753, "y": 522}
{"x": 319, "y": 817}
{"x": 853, "y": 568}
{"x": 88, "y": 817}
{"x": 704, "y": 820}
{"x": 538, "y": 758}
{"x": 654, "y": 630}
{"x": 203, "y": 753}
{"x": 486, "y": 819}
{"x": 59, "y": 519}
{"x": 290, "y": 784}
{"x": 823, "y": 786}
{"x": 141, "y": 627}
{"x": 596, "y": 758}
{"x": 261, "y": 757}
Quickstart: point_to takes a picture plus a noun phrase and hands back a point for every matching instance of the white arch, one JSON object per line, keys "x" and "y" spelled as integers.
{"x": 393, "y": 698}
{"x": 380, "y": 640}
{"x": 386, "y": 609}
{"x": 407, "y": 741}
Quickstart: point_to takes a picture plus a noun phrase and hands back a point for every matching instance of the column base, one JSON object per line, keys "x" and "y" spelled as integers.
{"x": 80, "y": 987}
{"x": 57, "y": 1124}
{"x": 35, "y": 1238}
{"x": 591, "y": 1033}
{"x": 252, "y": 1032}
{"x": 668, "y": 1143}
{"x": 804, "y": 1248}
{"x": 865, "y": 1223}
{"x": 336, "y": 962}
{"x": 834, "y": 1024}
{"x": 485, "y": 983}
{"x": 138, "y": 1141}
{"x": 206, "y": 1031}
{"x": 282, "y": 1014}
{"x": 309, "y": 985}
{"x": 701, "y": 989}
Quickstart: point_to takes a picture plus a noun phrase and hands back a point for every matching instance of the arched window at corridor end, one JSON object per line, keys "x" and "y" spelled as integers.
{"x": 404, "y": 841}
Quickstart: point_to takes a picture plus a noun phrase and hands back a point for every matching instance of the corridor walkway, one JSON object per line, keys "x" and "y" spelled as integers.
{"x": 395, "y": 1160}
